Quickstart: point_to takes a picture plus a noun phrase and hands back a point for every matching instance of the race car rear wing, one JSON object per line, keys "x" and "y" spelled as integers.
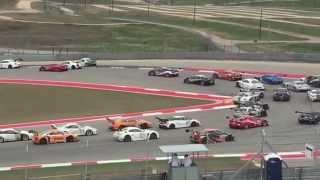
{"x": 162, "y": 119}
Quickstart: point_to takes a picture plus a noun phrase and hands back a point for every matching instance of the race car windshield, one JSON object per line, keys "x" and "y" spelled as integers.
{"x": 254, "y": 82}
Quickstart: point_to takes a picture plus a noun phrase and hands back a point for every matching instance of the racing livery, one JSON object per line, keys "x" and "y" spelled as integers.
{"x": 247, "y": 122}
{"x": 297, "y": 86}
{"x": 71, "y": 65}
{"x": 53, "y": 68}
{"x": 258, "y": 110}
{"x": 9, "y": 64}
{"x": 77, "y": 129}
{"x": 250, "y": 84}
{"x": 200, "y": 80}
{"x": 122, "y": 123}
{"x": 163, "y": 71}
{"x": 314, "y": 95}
{"x": 227, "y": 75}
{"x": 207, "y": 136}
{"x": 7, "y": 135}
{"x": 250, "y": 96}
{"x": 54, "y": 136}
{"x": 83, "y": 62}
{"x": 173, "y": 122}
{"x": 271, "y": 79}
{"x": 281, "y": 94}
{"x": 308, "y": 117}
{"x": 129, "y": 134}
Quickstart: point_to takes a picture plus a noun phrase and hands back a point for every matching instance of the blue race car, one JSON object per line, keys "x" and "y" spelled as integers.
{"x": 271, "y": 79}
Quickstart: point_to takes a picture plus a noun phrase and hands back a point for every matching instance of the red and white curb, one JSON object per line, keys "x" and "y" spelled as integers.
{"x": 217, "y": 102}
{"x": 242, "y": 156}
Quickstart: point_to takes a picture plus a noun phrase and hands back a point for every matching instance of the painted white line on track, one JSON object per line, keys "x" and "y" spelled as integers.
{"x": 115, "y": 117}
{"x": 224, "y": 107}
{"x": 205, "y": 71}
{"x": 152, "y": 114}
{"x": 116, "y": 67}
{"x": 113, "y": 161}
{"x": 5, "y": 168}
{"x": 161, "y": 158}
{"x": 150, "y": 89}
{"x": 290, "y": 153}
{"x": 213, "y": 95}
{"x": 145, "y": 68}
{"x": 56, "y": 165}
{"x": 228, "y": 155}
{"x": 188, "y": 110}
{"x": 188, "y": 93}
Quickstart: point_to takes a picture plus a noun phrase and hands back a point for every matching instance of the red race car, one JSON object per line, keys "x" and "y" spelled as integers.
{"x": 227, "y": 75}
{"x": 54, "y": 68}
{"x": 246, "y": 122}
{"x": 210, "y": 136}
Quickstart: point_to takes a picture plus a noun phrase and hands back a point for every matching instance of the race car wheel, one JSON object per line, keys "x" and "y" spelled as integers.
{"x": 1, "y": 140}
{"x": 153, "y": 136}
{"x": 264, "y": 124}
{"x": 194, "y": 124}
{"x": 41, "y": 69}
{"x": 186, "y": 81}
{"x": 144, "y": 126}
{"x": 151, "y": 73}
{"x": 73, "y": 67}
{"x": 10, "y": 67}
{"x": 237, "y": 84}
{"x": 229, "y": 138}
{"x": 24, "y": 137}
{"x": 69, "y": 139}
{"x": 127, "y": 138}
{"x": 43, "y": 141}
{"x": 89, "y": 133}
{"x": 172, "y": 126}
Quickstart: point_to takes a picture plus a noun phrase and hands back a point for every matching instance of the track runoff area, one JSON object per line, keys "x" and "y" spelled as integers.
{"x": 284, "y": 133}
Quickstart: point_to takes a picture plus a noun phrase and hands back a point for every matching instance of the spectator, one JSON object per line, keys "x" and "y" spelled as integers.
{"x": 174, "y": 161}
{"x": 187, "y": 162}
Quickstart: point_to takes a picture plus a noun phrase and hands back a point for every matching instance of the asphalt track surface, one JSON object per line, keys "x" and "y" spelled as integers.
{"x": 285, "y": 134}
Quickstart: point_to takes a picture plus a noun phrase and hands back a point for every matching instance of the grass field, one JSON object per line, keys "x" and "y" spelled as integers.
{"x": 120, "y": 169}
{"x": 23, "y": 103}
{"x": 282, "y": 47}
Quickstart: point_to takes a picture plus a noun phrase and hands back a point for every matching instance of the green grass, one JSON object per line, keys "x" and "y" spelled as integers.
{"x": 282, "y": 47}
{"x": 23, "y": 103}
{"x": 122, "y": 169}
{"x": 299, "y": 4}
{"x": 303, "y": 20}
{"x": 305, "y": 30}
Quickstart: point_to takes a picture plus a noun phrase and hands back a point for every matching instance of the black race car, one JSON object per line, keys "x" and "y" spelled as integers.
{"x": 281, "y": 94}
{"x": 163, "y": 71}
{"x": 313, "y": 81}
{"x": 199, "y": 79}
{"x": 308, "y": 117}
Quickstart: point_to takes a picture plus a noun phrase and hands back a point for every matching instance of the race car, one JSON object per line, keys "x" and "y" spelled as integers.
{"x": 308, "y": 117}
{"x": 85, "y": 62}
{"x": 271, "y": 79}
{"x": 250, "y": 84}
{"x": 72, "y": 65}
{"x": 258, "y": 110}
{"x": 9, "y": 64}
{"x": 207, "y": 136}
{"x": 129, "y": 134}
{"x": 245, "y": 97}
{"x": 313, "y": 81}
{"x": 164, "y": 71}
{"x": 10, "y": 134}
{"x": 76, "y": 129}
{"x": 200, "y": 80}
{"x": 297, "y": 86}
{"x": 122, "y": 123}
{"x": 227, "y": 75}
{"x": 174, "y": 122}
{"x": 281, "y": 94}
{"x": 314, "y": 95}
{"x": 54, "y": 136}
{"x": 53, "y": 68}
{"x": 247, "y": 122}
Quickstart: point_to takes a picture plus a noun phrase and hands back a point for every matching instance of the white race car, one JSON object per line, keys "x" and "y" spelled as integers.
{"x": 298, "y": 86}
{"x": 245, "y": 97}
{"x": 250, "y": 84}
{"x": 135, "y": 134}
{"x": 173, "y": 122}
{"x": 76, "y": 129}
{"x": 314, "y": 95}
{"x": 7, "y": 135}
{"x": 72, "y": 65}
{"x": 9, "y": 64}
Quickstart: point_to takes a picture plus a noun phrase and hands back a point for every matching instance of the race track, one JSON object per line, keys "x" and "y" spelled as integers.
{"x": 285, "y": 134}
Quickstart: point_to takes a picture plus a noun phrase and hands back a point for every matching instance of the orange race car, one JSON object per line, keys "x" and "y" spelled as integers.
{"x": 54, "y": 136}
{"x": 118, "y": 124}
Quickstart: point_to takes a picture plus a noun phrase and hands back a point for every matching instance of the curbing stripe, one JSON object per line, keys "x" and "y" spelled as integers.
{"x": 152, "y": 114}
{"x": 56, "y": 165}
{"x": 114, "y": 161}
{"x": 151, "y": 89}
{"x": 188, "y": 110}
{"x": 5, "y": 168}
{"x": 188, "y": 93}
{"x": 228, "y": 155}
